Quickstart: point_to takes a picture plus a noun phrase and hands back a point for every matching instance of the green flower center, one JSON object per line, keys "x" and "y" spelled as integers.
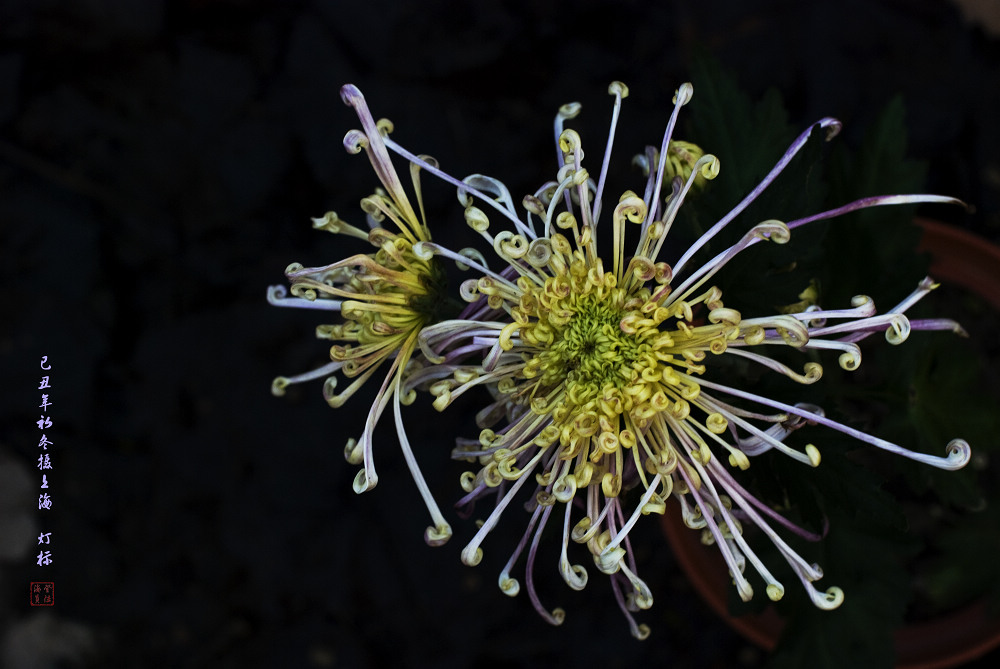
{"x": 591, "y": 349}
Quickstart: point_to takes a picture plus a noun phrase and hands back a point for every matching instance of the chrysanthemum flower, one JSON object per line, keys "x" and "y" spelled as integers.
{"x": 606, "y": 375}
{"x": 384, "y": 300}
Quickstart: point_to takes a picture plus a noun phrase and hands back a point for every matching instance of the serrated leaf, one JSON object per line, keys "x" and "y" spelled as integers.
{"x": 879, "y": 244}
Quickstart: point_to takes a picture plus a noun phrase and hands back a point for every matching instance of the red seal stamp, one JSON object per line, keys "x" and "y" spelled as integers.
{"x": 43, "y": 593}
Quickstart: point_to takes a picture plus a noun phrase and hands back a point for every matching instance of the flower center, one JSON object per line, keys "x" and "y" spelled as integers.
{"x": 434, "y": 304}
{"x": 577, "y": 337}
{"x": 603, "y": 360}
{"x": 591, "y": 350}
{"x": 396, "y": 295}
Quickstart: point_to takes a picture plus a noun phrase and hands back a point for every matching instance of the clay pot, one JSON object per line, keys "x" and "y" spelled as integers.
{"x": 958, "y": 258}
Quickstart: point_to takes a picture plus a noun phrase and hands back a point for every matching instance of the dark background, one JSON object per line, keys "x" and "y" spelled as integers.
{"x": 159, "y": 162}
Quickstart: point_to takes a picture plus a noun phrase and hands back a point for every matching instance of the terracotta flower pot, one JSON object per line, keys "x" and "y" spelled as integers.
{"x": 958, "y": 258}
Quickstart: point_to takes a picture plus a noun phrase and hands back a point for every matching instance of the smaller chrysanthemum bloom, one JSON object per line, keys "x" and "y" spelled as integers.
{"x": 607, "y": 377}
{"x": 384, "y": 300}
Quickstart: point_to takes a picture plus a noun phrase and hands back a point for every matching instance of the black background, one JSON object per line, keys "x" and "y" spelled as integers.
{"x": 159, "y": 162}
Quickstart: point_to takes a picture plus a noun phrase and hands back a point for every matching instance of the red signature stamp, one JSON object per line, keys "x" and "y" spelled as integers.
{"x": 43, "y": 593}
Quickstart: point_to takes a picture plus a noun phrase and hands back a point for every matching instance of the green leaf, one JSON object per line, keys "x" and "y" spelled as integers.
{"x": 863, "y": 554}
{"x": 874, "y": 249}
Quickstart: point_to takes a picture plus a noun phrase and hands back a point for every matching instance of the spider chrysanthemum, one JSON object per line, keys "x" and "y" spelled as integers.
{"x": 384, "y": 299}
{"x": 605, "y": 373}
